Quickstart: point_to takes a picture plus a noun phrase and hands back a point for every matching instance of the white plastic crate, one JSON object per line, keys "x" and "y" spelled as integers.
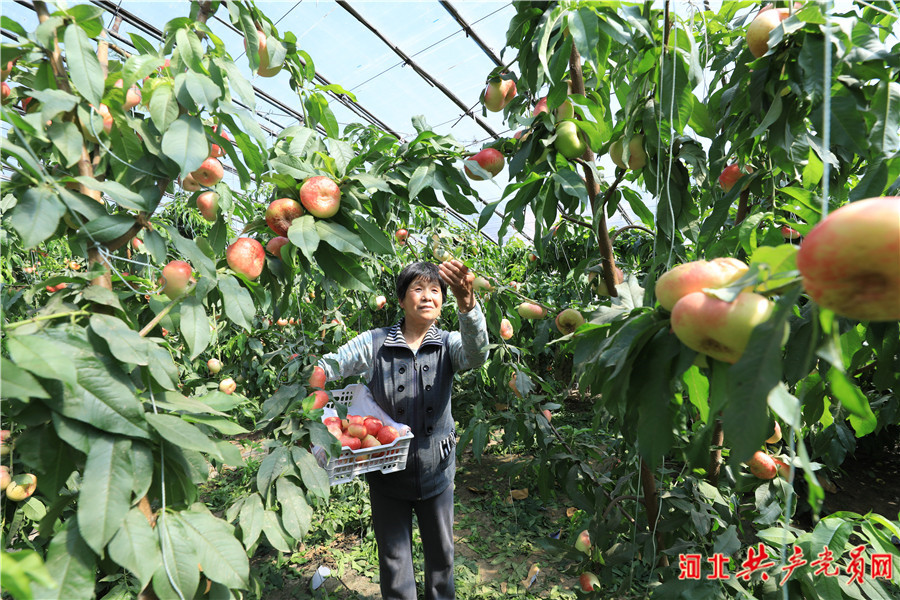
{"x": 350, "y": 463}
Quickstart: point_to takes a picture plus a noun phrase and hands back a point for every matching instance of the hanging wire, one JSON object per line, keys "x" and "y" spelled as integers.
{"x": 400, "y": 63}
{"x": 826, "y": 112}
{"x": 163, "y": 528}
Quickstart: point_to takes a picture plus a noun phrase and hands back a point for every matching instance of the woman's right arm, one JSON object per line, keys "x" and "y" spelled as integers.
{"x": 353, "y": 358}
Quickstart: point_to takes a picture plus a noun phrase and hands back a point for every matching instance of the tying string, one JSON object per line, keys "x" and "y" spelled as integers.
{"x": 163, "y": 530}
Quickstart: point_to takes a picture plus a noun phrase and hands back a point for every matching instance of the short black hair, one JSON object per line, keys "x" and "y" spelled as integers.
{"x": 424, "y": 270}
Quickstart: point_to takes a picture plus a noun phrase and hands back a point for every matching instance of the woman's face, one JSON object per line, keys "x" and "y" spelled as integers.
{"x": 423, "y": 300}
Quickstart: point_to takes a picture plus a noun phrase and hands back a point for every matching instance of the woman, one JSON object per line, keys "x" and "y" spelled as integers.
{"x": 409, "y": 369}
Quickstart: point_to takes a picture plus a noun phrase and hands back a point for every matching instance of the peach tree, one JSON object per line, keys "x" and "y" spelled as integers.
{"x": 675, "y": 98}
{"x": 107, "y": 389}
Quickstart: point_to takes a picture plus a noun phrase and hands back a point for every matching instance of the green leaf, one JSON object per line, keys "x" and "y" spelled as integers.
{"x": 275, "y": 532}
{"x": 304, "y": 234}
{"x": 650, "y": 386}
{"x": 135, "y": 547}
{"x": 18, "y": 383}
{"x": 852, "y": 398}
{"x": 341, "y": 152}
{"x": 82, "y": 65}
{"x": 751, "y": 380}
{"x": 251, "y": 519}
{"x": 105, "y": 498}
{"x": 698, "y": 391}
{"x": 238, "y": 302}
{"x": 42, "y": 356}
{"x": 371, "y": 182}
{"x": 162, "y": 367}
{"x": 340, "y": 238}
{"x": 37, "y": 215}
{"x": 125, "y": 343}
{"x": 190, "y": 251}
{"x": 101, "y": 295}
{"x": 194, "y": 325}
{"x": 771, "y": 116}
{"x": 163, "y": 107}
{"x": 785, "y": 405}
{"x": 107, "y": 227}
{"x": 178, "y": 556}
{"x": 220, "y": 424}
{"x": 219, "y": 553}
{"x": 66, "y": 137}
{"x": 104, "y": 397}
{"x": 296, "y": 514}
{"x": 17, "y": 571}
{"x": 373, "y": 236}
{"x": 315, "y": 478}
{"x": 238, "y": 82}
{"x": 185, "y": 143}
{"x": 885, "y": 137}
{"x": 71, "y": 564}
{"x": 122, "y": 196}
{"x": 190, "y": 48}
{"x": 676, "y": 99}
{"x": 181, "y": 433}
{"x": 421, "y": 178}
{"x": 276, "y": 464}
{"x": 345, "y": 270}
{"x": 198, "y": 89}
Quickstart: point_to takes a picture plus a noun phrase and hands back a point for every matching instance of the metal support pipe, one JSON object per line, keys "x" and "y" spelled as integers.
{"x": 415, "y": 67}
{"x": 471, "y": 32}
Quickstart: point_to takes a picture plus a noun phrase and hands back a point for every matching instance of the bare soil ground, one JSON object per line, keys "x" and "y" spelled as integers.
{"x": 497, "y": 573}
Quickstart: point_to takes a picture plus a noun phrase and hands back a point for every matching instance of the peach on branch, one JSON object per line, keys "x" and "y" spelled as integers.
{"x": 227, "y": 386}
{"x": 498, "y": 93}
{"x": 281, "y": 213}
{"x": 583, "y": 542}
{"x": 717, "y": 328}
{"x": 506, "y": 329}
{"x": 489, "y": 159}
{"x": 265, "y": 70}
{"x": 850, "y": 261}
{"x": 401, "y": 235}
{"x": 696, "y": 275}
{"x": 208, "y": 205}
{"x": 762, "y": 465}
{"x": 761, "y": 27}
{"x": 214, "y": 365}
{"x": 246, "y": 256}
{"x": 568, "y": 320}
{"x": 189, "y": 184}
{"x": 529, "y": 310}
{"x": 317, "y": 379}
{"x": 599, "y": 285}
{"x": 789, "y": 234}
{"x": 588, "y": 581}
{"x": 175, "y": 278}
{"x": 776, "y": 435}
{"x": 275, "y": 245}
{"x": 731, "y": 175}
{"x": 637, "y": 158}
{"x": 209, "y": 173}
{"x": 482, "y": 285}
{"x": 321, "y": 196}
{"x": 569, "y": 140}
{"x": 21, "y": 487}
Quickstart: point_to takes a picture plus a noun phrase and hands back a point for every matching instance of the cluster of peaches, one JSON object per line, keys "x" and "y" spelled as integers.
{"x": 357, "y": 432}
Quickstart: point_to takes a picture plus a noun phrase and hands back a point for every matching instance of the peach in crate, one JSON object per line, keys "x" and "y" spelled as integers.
{"x": 373, "y": 455}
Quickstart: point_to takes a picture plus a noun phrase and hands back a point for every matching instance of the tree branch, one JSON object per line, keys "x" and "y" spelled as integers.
{"x": 597, "y": 208}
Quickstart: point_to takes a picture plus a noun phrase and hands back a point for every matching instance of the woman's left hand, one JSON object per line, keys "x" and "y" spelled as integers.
{"x": 459, "y": 279}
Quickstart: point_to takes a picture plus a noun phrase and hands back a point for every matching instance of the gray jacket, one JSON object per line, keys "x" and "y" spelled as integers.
{"x": 414, "y": 388}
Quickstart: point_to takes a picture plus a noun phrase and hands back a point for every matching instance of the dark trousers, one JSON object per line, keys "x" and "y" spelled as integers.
{"x": 392, "y": 519}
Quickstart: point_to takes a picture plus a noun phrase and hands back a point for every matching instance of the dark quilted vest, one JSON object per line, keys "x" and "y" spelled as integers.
{"x": 415, "y": 390}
